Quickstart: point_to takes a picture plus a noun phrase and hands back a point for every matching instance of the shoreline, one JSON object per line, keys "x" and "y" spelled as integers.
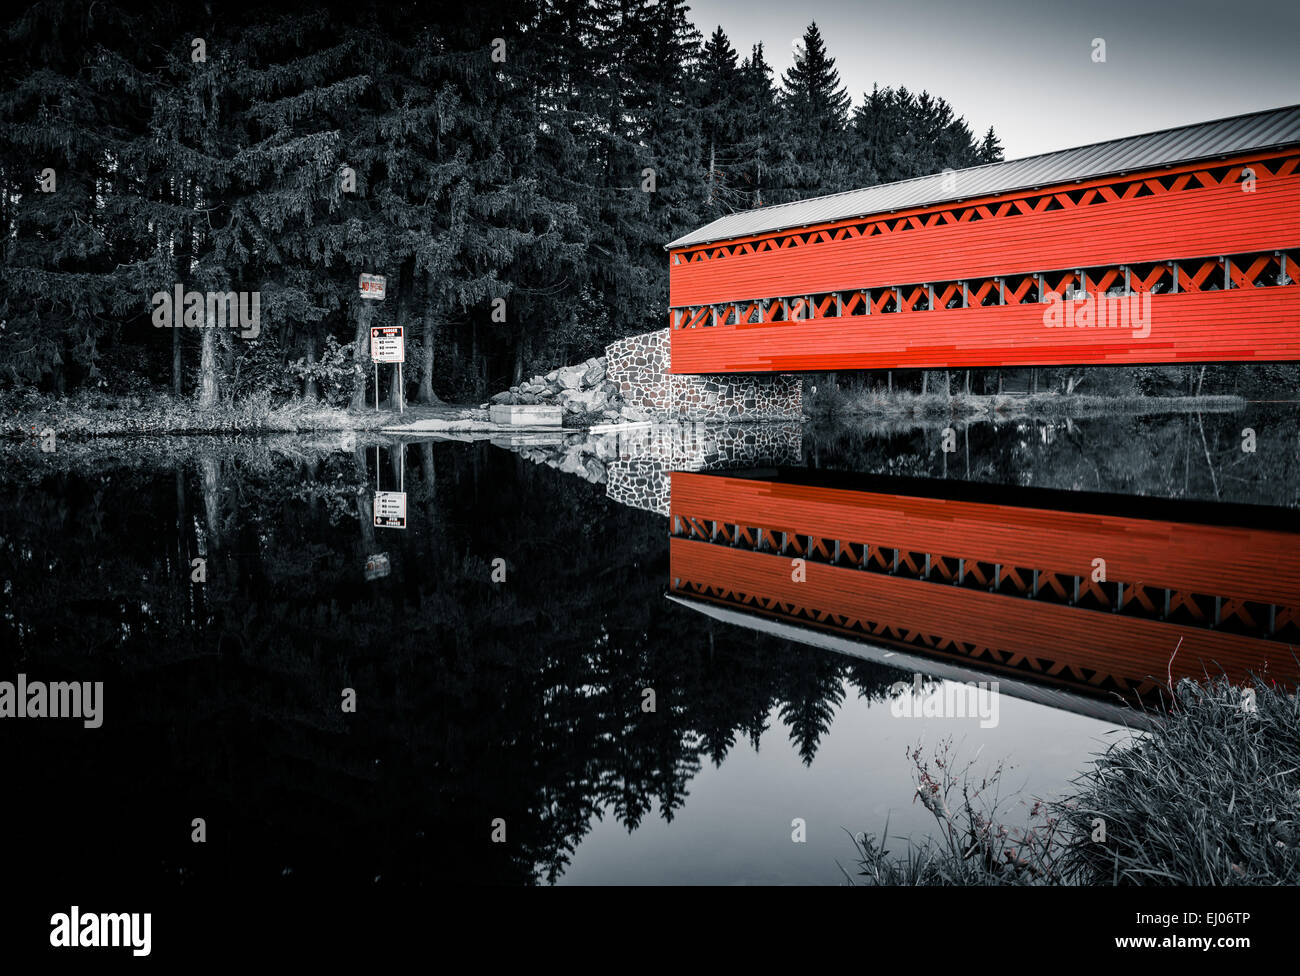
{"x": 997, "y": 406}
{"x": 89, "y": 418}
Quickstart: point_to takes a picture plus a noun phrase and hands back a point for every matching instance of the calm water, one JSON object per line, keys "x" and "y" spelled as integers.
{"x": 521, "y": 699}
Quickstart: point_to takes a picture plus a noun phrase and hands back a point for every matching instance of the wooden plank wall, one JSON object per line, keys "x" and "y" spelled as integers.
{"x": 1195, "y": 221}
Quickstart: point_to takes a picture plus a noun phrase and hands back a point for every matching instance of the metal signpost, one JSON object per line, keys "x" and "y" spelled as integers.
{"x": 387, "y": 342}
{"x": 390, "y": 506}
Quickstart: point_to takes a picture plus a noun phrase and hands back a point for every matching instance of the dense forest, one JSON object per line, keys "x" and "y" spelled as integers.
{"x": 512, "y": 168}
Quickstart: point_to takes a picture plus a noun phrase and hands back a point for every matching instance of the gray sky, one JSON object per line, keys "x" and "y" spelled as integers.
{"x": 1025, "y": 66}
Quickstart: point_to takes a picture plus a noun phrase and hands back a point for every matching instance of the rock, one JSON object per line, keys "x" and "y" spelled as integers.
{"x": 589, "y": 401}
{"x": 552, "y": 376}
{"x": 634, "y": 415}
{"x": 595, "y": 470}
{"x": 593, "y": 375}
{"x": 504, "y": 396}
{"x": 570, "y": 377}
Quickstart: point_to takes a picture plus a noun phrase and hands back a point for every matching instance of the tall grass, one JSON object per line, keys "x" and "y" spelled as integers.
{"x": 1211, "y": 796}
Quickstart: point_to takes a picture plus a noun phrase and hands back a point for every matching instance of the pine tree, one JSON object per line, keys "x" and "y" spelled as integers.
{"x": 761, "y": 162}
{"x": 815, "y": 111}
{"x": 990, "y": 149}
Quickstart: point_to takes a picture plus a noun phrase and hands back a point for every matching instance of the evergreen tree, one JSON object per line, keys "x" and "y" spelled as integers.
{"x": 990, "y": 149}
{"x": 815, "y": 111}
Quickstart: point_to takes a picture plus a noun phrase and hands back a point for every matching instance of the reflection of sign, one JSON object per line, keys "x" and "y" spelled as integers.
{"x": 387, "y": 344}
{"x": 372, "y": 286}
{"x": 378, "y": 565}
{"x": 390, "y": 509}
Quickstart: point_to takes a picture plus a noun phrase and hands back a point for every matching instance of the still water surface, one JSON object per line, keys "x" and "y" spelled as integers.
{"x": 524, "y": 699}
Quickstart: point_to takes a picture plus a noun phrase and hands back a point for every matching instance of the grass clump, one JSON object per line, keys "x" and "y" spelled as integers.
{"x": 1210, "y": 796}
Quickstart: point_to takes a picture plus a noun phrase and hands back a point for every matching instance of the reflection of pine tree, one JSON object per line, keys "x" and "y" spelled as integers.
{"x": 811, "y": 692}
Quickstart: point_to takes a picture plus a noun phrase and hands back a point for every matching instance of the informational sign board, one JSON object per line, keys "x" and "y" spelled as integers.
{"x": 390, "y": 509}
{"x": 387, "y": 344}
{"x": 378, "y": 566}
{"x": 372, "y": 286}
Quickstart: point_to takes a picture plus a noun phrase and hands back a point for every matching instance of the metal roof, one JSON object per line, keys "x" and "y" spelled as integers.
{"x": 1268, "y": 129}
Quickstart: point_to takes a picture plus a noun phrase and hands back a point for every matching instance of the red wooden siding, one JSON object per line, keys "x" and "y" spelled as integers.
{"x": 1055, "y": 638}
{"x": 1246, "y": 563}
{"x": 1251, "y": 566}
{"x": 1182, "y": 220}
{"x": 1205, "y": 221}
{"x": 1241, "y": 325}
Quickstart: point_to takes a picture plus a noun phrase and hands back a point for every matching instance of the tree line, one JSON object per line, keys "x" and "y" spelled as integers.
{"x": 512, "y": 168}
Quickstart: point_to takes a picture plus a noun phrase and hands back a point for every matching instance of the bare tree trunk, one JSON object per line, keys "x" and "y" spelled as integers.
{"x": 310, "y": 390}
{"x": 210, "y": 474}
{"x": 365, "y": 501}
{"x": 226, "y": 343}
{"x": 176, "y": 362}
{"x": 712, "y": 156}
{"x": 182, "y": 249}
{"x": 208, "y": 368}
{"x": 360, "y": 357}
{"x": 430, "y": 341}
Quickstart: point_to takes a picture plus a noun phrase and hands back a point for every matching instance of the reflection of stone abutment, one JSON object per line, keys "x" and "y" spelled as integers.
{"x": 635, "y": 463}
{"x": 1100, "y": 601}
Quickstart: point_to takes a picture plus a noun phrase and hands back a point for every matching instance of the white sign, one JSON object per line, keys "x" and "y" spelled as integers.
{"x": 387, "y": 344}
{"x": 378, "y": 565}
{"x": 390, "y": 509}
{"x": 372, "y": 286}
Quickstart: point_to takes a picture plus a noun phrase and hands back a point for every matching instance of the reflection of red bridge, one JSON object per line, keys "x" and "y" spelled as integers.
{"x": 954, "y": 270}
{"x": 1007, "y": 588}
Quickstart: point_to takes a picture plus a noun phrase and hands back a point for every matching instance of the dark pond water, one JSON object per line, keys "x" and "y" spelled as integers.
{"x": 504, "y": 646}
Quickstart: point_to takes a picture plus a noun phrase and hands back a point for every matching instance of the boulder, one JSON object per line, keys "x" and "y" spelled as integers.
{"x": 594, "y": 375}
{"x": 570, "y": 377}
{"x": 505, "y": 396}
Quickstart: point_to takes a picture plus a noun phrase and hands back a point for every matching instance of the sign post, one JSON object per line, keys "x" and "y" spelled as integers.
{"x": 387, "y": 343}
{"x": 390, "y": 506}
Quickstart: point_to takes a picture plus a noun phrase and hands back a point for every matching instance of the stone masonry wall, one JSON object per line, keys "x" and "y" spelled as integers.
{"x": 638, "y": 369}
{"x": 636, "y": 464}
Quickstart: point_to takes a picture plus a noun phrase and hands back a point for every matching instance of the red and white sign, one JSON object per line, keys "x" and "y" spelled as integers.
{"x": 390, "y": 509}
{"x": 387, "y": 344}
{"x": 378, "y": 566}
{"x": 372, "y": 286}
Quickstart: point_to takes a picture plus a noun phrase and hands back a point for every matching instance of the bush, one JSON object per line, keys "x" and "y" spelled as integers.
{"x": 1208, "y": 797}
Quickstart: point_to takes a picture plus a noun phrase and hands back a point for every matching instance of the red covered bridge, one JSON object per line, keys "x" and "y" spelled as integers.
{"x": 1178, "y": 246}
{"x": 1005, "y": 580}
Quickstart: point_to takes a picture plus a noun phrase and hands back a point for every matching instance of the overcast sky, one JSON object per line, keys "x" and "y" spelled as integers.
{"x": 1025, "y": 66}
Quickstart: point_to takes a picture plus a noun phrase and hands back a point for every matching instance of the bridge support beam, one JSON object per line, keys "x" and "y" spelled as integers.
{"x": 639, "y": 366}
